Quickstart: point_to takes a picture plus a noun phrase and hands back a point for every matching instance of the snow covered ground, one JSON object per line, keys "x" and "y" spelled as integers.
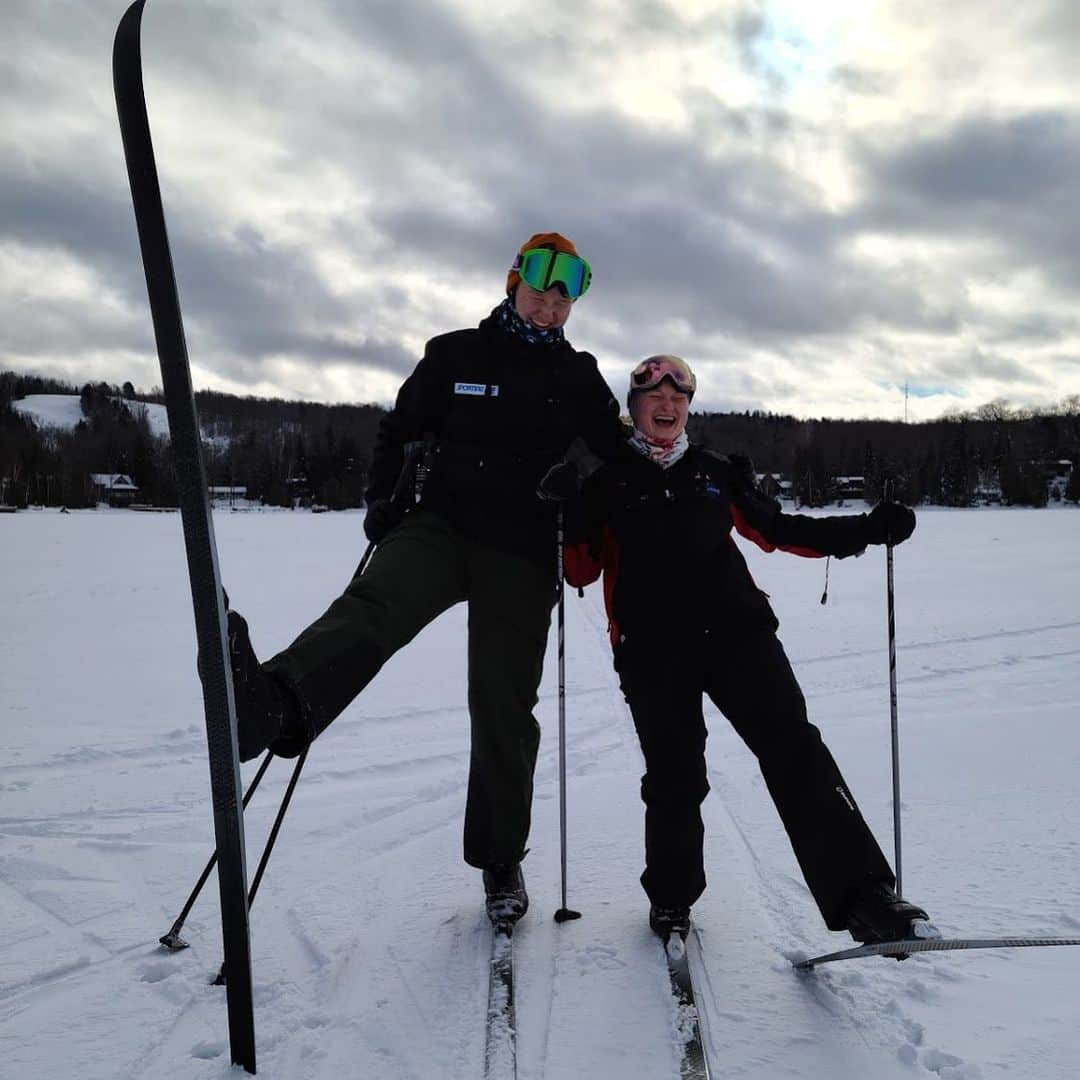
{"x": 369, "y": 944}
{"x": 64, "y": 411}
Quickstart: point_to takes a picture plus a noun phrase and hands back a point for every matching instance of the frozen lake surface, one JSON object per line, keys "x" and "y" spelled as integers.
{"x": 369, "y": 940}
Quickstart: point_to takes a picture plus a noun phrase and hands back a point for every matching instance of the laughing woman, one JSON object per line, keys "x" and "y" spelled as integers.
{"x": 496, "y": 404}
{"x": 685, "y": 620}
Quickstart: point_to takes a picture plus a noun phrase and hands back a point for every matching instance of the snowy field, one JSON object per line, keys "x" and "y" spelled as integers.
{"x": 65, "y": 411}
{"x": 369, "y": 942}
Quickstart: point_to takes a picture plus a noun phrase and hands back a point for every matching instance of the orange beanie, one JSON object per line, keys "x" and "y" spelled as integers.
{"x": 555, "y": 241}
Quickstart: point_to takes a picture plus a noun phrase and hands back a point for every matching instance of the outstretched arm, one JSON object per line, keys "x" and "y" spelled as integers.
{"x": 761, "y": 519}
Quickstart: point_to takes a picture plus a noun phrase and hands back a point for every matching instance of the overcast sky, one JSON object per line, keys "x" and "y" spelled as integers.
{"x": 813, "y": 203}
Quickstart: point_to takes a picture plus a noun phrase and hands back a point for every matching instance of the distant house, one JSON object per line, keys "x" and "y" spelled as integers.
{"x": 988, "y": 494}
{"x": 116, "y": 489}
{"x": 1057, "y": 478}
{"x": 849, "y": 487}
{"x": 227, "y": 495}
{"x": 299, "y": 489}
{"x": 772, "y": 485}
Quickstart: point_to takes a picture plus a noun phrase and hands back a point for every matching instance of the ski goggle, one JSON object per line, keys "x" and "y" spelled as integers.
{"x": 541, "y": 268}
{"x": 650, "y": 373}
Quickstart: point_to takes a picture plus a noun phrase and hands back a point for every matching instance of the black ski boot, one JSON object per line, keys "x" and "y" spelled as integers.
{"x": 268, "y": 714}
{"x": 666, "y": 921}
{"x": 507, "y": 899}
{"x": 878, "y": 914}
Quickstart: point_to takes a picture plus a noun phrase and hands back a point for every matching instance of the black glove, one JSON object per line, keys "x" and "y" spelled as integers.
{"x": 744, "y": 469}
{"x": 560, "y": 482}
{"x": 382, "y": 515}
{"x": 889, "y": 523}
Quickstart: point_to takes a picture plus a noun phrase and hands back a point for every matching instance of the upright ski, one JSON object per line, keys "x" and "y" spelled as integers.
{"x": 694, "y": 1065}
{"x": 198, "y": 531}
{"x": 902, "y": 949}
{"x": 500, "y": 1047}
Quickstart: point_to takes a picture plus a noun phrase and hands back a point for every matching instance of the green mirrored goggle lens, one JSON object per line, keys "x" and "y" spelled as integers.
{"x": 541, "y": 268}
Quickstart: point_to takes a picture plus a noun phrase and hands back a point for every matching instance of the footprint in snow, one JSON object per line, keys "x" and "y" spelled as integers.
{"x": 156, "y": 971}
{"x": 949, "y": 1067}
{"x": 599, "y": 956}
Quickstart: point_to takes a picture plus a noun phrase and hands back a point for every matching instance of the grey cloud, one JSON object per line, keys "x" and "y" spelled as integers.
{"x": 1001, "y": 162}
{"x": 734, "y": 244}
{"x": 1014, "y": 183}
{"x": 986, "y": 365}
{"x": 439, "y": 157}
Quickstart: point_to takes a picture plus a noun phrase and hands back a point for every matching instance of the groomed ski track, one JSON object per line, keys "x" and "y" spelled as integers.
{"x": 370, "y": 945}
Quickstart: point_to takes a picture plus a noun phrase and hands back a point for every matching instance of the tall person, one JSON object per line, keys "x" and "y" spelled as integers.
{"x": 497, "y": 405}
{"x": 687, "y": 620}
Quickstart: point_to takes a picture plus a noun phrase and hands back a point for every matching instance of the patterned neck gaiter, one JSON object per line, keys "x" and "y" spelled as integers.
{"x": 507, "y": 317}
{"x": 662, "y": 451}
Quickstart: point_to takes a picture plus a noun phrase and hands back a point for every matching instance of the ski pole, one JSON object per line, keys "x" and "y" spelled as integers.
{"x": 414, "y": 451}
{"x": 269, "y": 847}
{"x": 364, "y": 559}
{"x": 890, "y": 595}
{"x": 564, "y": 914}
{"x": 172, "y": 939}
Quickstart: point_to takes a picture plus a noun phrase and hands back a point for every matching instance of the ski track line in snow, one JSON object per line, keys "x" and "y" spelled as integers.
{"x": 596, "y": 618}
{"x": 862, "y": 1003}
{"x": 378, "y": 770}
{"x": 865, "y": 1001}
{"x": 80, "y": 941}
{"x": 933, "y": 643}
{"x": 904, "y": 1035}
{"x": 15, "y": 994}
{"x": 75, "y": 826}
{"x": 177, "y": 1033}
{"x": 931, "y": 675}
{"x": 94, "y": 756}
{"x": 346, "y": 985}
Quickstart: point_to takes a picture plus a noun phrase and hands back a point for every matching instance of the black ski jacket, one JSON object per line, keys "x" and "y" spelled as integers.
{"x": 662, "y": 539}
{"x": 501, "y": 412}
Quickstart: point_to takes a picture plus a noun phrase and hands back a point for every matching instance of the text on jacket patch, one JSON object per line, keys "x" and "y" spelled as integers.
{"x": 474, "y": 389}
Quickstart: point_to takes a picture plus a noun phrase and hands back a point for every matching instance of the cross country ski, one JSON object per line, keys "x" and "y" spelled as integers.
{"x": 500, "y": 1040}
{"x": 693, "y": 1064}
{"x": 198, "y": 527}
{"x": 905, "y": 948}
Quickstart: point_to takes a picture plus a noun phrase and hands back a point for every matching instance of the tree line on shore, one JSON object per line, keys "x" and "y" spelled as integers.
{"x": 286, "y": 453}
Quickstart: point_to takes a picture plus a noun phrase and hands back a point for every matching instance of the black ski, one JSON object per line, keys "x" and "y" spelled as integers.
{"x": 906, "y": 947}
{"x": 694, "y": 1065}
{"x": 198, "y": 531}
{"x": 500, "y": 1047}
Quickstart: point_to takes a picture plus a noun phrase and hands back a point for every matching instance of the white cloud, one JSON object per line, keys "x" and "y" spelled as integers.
{"x": 812, "y": 203}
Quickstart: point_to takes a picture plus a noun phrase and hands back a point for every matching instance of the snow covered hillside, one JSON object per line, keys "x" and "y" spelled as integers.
{"x": 64, "y": 411}
{"x": 369, "y": 941}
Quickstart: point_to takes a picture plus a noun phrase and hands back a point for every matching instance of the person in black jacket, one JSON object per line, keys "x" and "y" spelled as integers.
{"x": 686, "y": 618}
{"x": 495, "y": 406}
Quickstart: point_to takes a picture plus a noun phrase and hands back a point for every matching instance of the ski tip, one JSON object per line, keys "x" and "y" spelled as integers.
{"x": 566, "y": 915}
{"x": 675, "y": 947}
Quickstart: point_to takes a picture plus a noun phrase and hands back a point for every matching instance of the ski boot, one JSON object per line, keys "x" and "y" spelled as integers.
{"x": 268, "y": 714}
{"x": 666, "y": 921}
{"x": 507, "y": 899}
{"x": 877, "y": 914}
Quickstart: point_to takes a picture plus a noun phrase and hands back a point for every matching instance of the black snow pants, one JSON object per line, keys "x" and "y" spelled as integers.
{"x": 421, "y": 569}
{"x": 750, "y": 680}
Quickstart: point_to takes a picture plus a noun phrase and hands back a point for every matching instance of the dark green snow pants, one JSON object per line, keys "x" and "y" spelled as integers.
{"x": 422, "y": 568}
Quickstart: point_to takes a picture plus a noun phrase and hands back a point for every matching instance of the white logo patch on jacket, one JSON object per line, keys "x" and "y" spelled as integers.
{"x": 472, "y": 389}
